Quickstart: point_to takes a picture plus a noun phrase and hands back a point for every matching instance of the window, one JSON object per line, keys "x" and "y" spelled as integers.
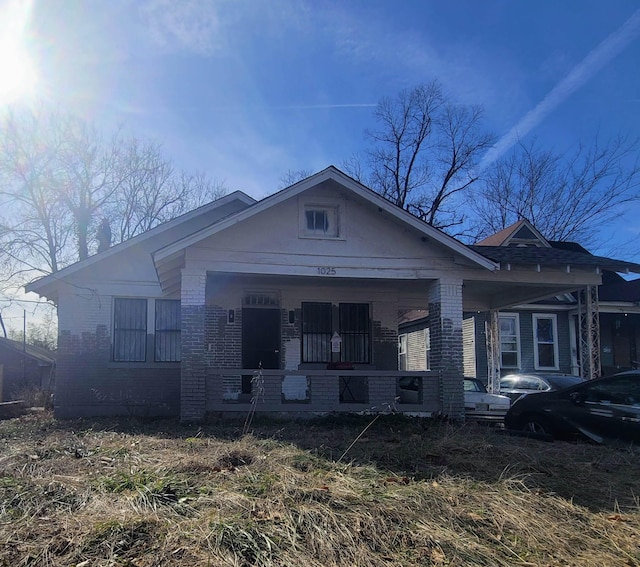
{"x": 402, "y": 352}
{"x": 167, "y": 334}
{"x": 545, "y": 342}
{"x": 427, "y": 349}
{"x": 320, "y": 221}
{"x": 354, "y": 330}
{"x": 319, "y": 324}
{"x": 509, "y": 341}
{"x": 129, "y": 330}
{"x": 316, "y": 332}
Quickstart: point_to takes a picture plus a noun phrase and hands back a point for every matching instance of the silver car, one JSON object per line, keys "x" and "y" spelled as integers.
{"x": 480, "y": 405}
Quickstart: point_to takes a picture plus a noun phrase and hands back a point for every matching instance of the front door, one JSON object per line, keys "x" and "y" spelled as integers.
{"x": 260, "y": 340}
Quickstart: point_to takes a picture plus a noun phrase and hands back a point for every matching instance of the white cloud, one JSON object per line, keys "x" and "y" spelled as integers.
{"x": 184, "y": 25}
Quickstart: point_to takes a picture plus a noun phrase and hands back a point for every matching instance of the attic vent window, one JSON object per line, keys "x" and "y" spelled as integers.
{"x": 317, "y": 221}
{"x": 320, "y": 222}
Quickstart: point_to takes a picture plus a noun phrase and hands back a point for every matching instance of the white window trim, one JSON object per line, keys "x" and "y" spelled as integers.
{"x": 402, "y": 349}
{"x": 515, "y": 316}
{"x": 536, "y": 356}
{"x": 337, "y": 205}
{"x": 427, "y": 349}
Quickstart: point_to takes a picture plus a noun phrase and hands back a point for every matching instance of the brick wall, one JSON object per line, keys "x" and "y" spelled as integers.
{"x": 192, "y": 382}
{"x": 445, "y": 323}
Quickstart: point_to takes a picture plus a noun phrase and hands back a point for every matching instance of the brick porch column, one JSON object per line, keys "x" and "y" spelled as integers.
{"x": 193, "y": 382}
{"x": 445, "y": 323}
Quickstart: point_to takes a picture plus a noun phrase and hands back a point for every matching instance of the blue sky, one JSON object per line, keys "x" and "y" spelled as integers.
{"x": 245, "y": 90}
{"x": 248, "y": 89}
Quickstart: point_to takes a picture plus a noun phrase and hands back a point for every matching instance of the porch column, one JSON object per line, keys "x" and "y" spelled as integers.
{"x": 589, "y": 323}
{"x": 445, "y": 324}
{"x": 193, "y": 379}
{"x": 492, "y": 332}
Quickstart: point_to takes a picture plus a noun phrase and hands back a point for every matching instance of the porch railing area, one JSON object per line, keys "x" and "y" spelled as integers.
{"x": 322, "y": 391}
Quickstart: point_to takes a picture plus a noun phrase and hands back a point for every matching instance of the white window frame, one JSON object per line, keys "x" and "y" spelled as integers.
{"x": 402, "y": 351}
{"x": 536, "y": 353}
{"x": 335, "y": 212}
{"x": 515, "y": 316}
{"x": 427, "y": 349}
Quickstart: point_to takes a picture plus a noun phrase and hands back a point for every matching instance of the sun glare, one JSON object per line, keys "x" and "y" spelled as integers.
{"x": 17, "y": 72}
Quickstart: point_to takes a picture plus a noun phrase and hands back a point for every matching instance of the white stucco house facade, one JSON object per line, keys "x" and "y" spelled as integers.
{"x": 306, "y": 287}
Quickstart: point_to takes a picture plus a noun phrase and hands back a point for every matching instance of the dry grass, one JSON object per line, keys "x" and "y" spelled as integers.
{"x": 409, "y": 492}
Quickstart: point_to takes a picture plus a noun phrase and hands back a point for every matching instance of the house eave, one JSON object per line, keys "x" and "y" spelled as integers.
{"x": 46, "y": 286}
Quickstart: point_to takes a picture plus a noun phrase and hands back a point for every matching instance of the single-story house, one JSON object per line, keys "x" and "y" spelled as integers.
{"x": 24, "y": 368}
{"x": 294, "y": 300}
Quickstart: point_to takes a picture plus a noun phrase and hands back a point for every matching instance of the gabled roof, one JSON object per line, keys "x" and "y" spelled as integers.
{"x": 330, "y": 173}
{"x": 520, "y": 232}
{"x": 43, "y": 356}
{"x": 41, "y": 283}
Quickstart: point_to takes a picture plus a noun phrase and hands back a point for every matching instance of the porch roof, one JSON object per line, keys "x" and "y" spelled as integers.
{"x": 543, "y": 256}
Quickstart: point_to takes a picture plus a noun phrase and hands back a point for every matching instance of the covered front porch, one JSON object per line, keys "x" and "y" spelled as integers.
{"x": 300, "y": 345}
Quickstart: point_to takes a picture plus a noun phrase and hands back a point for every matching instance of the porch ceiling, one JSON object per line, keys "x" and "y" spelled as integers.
{"x": 483, "y": 296}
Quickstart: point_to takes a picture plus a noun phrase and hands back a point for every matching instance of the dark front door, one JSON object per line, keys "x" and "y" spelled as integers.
{"x": 260, "y": 338}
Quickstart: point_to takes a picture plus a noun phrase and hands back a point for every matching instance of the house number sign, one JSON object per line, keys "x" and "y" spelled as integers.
{"x": 326, "y": 271}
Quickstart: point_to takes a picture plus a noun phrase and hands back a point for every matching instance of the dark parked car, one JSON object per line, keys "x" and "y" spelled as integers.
{"x": 600, "y": 410}
{"x": 514, "y": 385}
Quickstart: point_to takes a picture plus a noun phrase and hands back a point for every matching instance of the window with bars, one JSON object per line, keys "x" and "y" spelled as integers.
{"x": 167, "y": 330}
{"x": 129, "y": 330}
{"x": 352, "y": 324}
{"x": 354, "y": 331}
{"x": 316, "y": 332}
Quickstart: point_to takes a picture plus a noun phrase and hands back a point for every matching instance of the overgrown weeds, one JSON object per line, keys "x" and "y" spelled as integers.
{"x": 408, "y": 493}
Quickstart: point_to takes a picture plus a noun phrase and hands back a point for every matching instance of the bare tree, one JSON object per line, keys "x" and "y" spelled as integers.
{"x": 35, "y": 227}
{"x": 157, "y": 193}
{"x": 567, "y": 197}
{"x": 423, "y": 153}
{"x": 293, "y": 176}
{"x": 59, "y": 177}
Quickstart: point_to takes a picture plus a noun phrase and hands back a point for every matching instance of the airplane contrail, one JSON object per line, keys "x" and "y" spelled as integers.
{"x": 579, "y": 75}
{"x": 322, "y": 106}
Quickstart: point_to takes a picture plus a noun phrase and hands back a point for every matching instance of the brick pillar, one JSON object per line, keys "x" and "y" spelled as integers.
{"x": 445, "y": 323}
{"x": 193, "y": 379}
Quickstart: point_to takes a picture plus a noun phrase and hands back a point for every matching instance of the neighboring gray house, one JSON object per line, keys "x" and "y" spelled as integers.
{"x": 309, "y": 284}
{"x": 544, "y": 336}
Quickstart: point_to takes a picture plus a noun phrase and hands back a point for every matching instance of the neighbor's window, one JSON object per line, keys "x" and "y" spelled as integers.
{"x": 402, "y": 352}
{"x": 129, "y": 330}
{"x": 509, "y": 341}
{"x": 316, "y": 332}
{"x": 321, "y": 221}
{"x": 427, "y": 349}
{"x": 545, "y": 342}
{"x": 168, "y": 330}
